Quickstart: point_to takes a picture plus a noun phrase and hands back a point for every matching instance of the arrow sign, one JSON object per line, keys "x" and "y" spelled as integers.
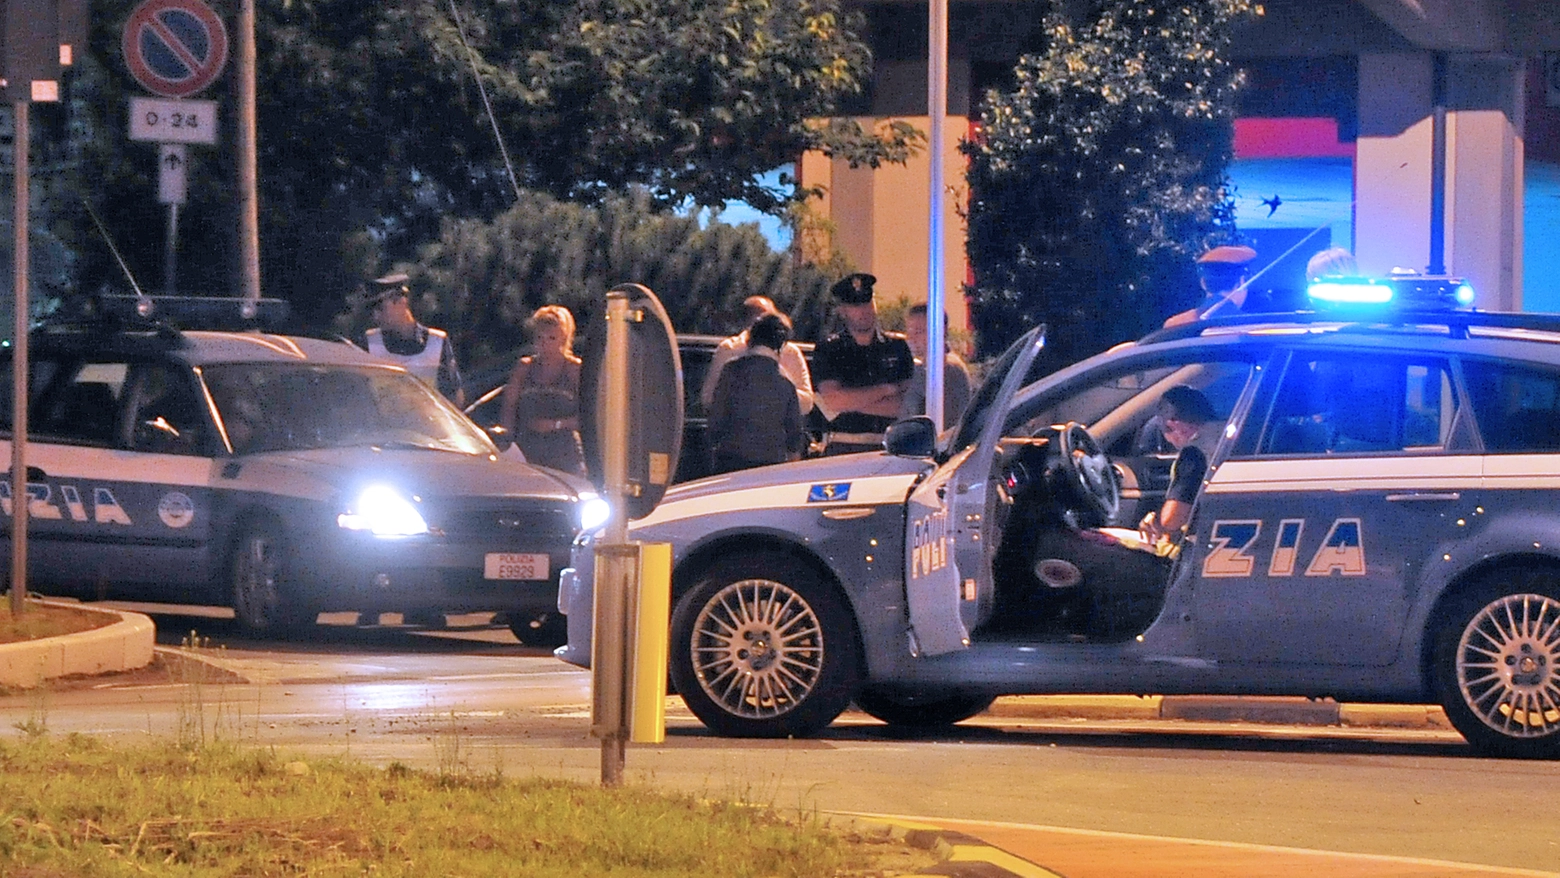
{"x": 171, "y": 164}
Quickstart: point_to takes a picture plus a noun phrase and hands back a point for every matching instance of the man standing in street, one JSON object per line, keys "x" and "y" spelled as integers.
{"x": 861, "y": 372}
{"x": 398, "y": 337}
{"x": 793, "y": 365}
{"x": 956, "y": 372}
{"x": 1222, "y": 271}
{"x": 754, "y": 420}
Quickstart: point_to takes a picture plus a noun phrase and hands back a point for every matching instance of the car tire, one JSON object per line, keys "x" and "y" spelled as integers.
{"x": 262, "y": 596}
{"x": 1497, "y": 664}
{"x": 930, "y": 712}
{"x": 542, "y": 629}
{"x": 763, "y": 647}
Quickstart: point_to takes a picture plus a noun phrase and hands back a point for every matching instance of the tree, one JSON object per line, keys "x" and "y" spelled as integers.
{"x": 370, "y": 121}
{"x": 490, "y": 275}
{"x": 1103, "y": 172}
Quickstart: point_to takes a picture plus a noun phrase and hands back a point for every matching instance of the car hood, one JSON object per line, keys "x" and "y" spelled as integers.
{"x": 851, "y": 480}
{"x": 424, "y": 473}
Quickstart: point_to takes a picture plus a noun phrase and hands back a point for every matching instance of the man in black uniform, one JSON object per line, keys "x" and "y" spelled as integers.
{"x": 860, "y": 373}
{"x": 397, "y": 336}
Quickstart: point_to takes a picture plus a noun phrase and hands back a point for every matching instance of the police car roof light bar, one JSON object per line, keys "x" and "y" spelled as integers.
{"x": 1455, "y": 322}
{"x": 196, "y": 312}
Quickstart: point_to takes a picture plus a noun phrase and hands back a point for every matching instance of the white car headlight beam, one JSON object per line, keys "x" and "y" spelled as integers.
{"x": 594, "y": 512}
{"x": 382, "y": 510}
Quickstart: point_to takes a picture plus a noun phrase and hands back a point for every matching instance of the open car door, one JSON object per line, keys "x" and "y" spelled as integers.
{"x": 948, "y": 580}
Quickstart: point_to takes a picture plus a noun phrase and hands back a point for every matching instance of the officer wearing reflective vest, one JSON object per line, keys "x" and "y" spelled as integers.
{"x": 398, "y": 337}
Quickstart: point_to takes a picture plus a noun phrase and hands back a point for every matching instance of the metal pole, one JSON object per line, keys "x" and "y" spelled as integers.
{"x": 248, "y": 186}
{"x": 616, "y": 560}
{"x": 1438, "y": 165}
{"x": 19, "y": 366}
{"x": 937, "y": 110}
{"x": 170, "y": 253}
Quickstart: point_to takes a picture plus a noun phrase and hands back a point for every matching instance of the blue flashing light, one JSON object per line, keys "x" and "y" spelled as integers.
{"x": 1350, "y": 291}
{"x": 1401, "y": 290}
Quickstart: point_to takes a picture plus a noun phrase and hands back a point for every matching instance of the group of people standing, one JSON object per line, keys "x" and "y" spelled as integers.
{"x": 759, "y": 392}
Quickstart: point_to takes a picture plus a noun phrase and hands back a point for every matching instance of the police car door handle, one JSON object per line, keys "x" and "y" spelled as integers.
{"x": 1449, "y": 495}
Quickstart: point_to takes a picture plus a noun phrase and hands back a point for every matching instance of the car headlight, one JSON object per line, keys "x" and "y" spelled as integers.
{"x": 383, "y": 511}
{"x": 594, "y": 512}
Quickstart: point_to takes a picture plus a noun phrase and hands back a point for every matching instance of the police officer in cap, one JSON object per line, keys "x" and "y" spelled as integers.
{"x": 1222, "y": 271}
{"x": 397, "y": 336}
{"x": 860, "y": 373}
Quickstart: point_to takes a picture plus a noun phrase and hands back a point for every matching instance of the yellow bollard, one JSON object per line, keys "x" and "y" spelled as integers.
{"x": 652, "y": 621}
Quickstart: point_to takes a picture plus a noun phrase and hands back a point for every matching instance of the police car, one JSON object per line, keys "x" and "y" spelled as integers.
{"x": 1378, "y": 523}
{"x": 279, "y": 475}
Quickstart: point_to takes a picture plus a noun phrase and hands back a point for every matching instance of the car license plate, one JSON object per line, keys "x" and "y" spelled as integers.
{"x": 514, "y": 565}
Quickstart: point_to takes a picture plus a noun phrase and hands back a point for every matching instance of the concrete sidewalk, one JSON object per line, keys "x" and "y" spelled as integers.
{"x": 124, "y": 645}
{"x": 1276, "y": 710}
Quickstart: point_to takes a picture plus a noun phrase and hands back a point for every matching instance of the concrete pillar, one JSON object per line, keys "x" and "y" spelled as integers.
{"x": 880, "y": 217}
{"x": 1483, "y": 220}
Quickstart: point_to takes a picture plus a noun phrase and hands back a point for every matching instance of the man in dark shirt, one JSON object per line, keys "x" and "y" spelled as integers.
{"x": 860, "y": 373}
{"x": 755, "y": 418}
{"x": 398, "y": 337}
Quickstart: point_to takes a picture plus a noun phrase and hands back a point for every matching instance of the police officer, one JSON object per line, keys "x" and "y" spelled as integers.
{"x": 397, "y": 336}
{"x": 861, "y": 373}
{"x": 1222, "y": 271}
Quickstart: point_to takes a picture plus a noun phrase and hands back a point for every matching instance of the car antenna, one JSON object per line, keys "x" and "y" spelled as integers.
{"x": 471, "y": 56}
{"x": 103, "y": 230}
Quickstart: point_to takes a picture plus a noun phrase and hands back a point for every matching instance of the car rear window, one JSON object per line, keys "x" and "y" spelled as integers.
{"x": 1518, "y": 407}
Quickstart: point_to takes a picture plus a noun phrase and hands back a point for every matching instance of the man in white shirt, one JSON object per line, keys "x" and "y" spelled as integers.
{"x": 793, "y": 365}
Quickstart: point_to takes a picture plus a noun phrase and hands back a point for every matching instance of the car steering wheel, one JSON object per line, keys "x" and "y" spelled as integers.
{"x": 1087, "y": 467}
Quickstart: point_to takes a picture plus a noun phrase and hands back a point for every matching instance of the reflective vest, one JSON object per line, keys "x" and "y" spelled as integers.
{"x": 424, "y": 365}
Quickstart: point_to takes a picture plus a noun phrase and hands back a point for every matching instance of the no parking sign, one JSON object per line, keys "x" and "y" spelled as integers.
{"x": 175, "y": 48}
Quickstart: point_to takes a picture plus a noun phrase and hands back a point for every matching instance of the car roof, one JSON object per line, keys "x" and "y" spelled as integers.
{"x": 201, "y": 347}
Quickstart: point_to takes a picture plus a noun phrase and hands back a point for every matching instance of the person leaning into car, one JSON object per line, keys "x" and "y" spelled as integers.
{"x": 754, "y": 418}
{"x": 397, "y": 336}
{"x": 861, "y": 373}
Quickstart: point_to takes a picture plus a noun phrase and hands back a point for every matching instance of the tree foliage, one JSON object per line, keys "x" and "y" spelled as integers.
{"x": 490, "y": 275}
{"x": 1098, "y": 178}
{"x": 373, "y": 131}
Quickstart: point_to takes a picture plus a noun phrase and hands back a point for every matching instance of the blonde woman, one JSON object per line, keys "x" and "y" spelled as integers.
{"x": 540, "y": 405}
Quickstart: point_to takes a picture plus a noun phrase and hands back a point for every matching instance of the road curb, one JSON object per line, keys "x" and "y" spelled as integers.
{"x": 960, "y": 855}
{"x": 1275, "y": 710}
{"x": 122, "y": 646}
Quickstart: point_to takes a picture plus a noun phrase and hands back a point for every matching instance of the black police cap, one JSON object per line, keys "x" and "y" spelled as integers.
{"x": 855, "y": 289}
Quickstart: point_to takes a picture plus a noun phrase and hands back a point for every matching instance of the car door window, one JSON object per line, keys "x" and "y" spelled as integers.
{"x": 167, "y": 416}
{"x": 1517, "y": 407}
{"x": 1357, "y": 404}
{"x": 84, "y": 408}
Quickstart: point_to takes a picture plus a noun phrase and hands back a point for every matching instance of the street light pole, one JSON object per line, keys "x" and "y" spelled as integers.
{"x": 19, "y": 364}
{"x": 937, "y": 110}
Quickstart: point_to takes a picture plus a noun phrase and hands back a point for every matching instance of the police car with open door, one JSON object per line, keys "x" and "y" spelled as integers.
{"x": 279, "y": 475}
{"x": 1377, "y": 523}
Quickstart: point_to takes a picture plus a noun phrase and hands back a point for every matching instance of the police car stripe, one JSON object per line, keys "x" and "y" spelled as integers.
{"x": 1350, "y": 473}
{"x": 1522, "y": 471}
{"x": 111, "y": 465}
{"x": 873, "y": 491}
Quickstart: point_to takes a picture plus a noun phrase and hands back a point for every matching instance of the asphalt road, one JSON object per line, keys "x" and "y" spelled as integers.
{"x": 474, "y": 699}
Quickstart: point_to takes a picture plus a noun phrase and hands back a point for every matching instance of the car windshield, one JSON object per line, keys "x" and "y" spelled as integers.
{"x": 290, "y": 407}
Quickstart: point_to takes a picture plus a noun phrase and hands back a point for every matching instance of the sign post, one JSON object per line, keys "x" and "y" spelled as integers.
{"x": 174, "y": 49}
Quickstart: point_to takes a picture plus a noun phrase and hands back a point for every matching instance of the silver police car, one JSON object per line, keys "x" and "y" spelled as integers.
{"x": 281, "y": 476}
{"x": 1377, "y": 522}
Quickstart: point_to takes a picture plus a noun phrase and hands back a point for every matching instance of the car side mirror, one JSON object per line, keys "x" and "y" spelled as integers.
{"x": 912, "y": 437}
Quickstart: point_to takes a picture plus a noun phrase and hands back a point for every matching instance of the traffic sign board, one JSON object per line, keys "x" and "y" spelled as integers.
{"x": 174, "y": 48}
{"x": 173, "y": 121}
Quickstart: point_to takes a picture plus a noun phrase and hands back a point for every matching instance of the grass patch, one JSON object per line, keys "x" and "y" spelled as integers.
{"x": 39, "y": 620}
{"x": 80, "y": 807}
